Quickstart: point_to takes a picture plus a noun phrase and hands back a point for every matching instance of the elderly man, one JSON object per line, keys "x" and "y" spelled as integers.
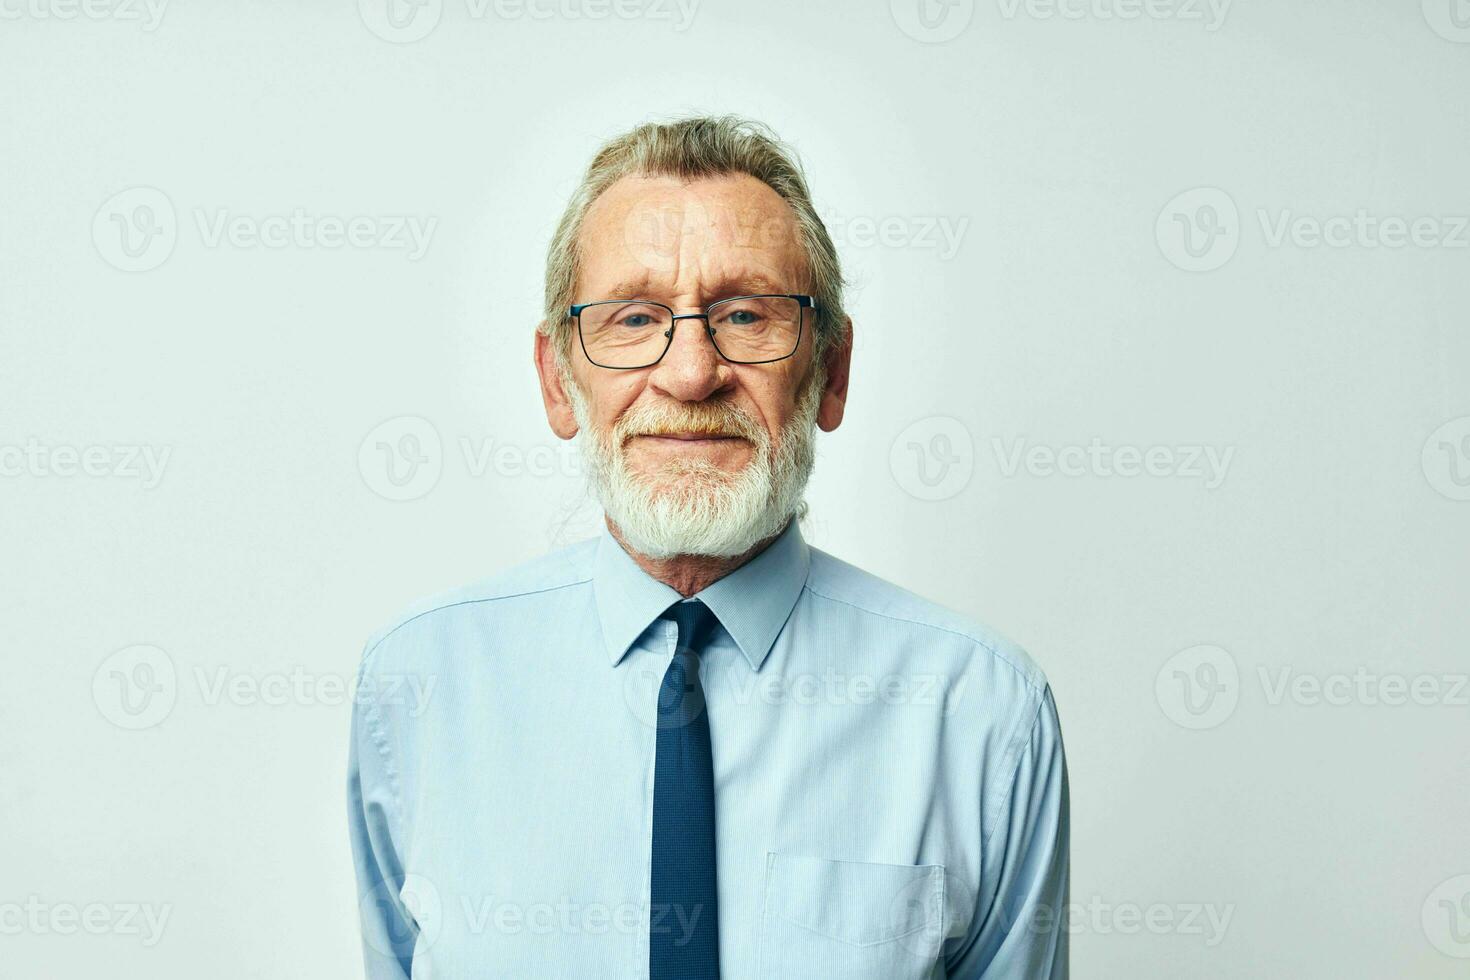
{"x": 694, "y": 745}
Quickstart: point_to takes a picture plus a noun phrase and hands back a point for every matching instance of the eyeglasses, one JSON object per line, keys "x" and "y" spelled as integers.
{"x": 624, "y": 334}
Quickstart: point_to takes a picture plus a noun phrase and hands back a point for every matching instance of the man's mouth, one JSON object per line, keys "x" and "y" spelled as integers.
{"x": 690, "y": 436}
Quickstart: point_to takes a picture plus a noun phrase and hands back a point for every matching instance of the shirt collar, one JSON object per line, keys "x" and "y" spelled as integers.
{"x": 752, "y": 603}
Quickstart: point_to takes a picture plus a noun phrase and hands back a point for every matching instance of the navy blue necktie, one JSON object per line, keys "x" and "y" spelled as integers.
{"x": 683, "y": 935}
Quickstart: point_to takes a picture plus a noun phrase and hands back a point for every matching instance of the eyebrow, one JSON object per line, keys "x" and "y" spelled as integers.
{"x": 748, "y": 285}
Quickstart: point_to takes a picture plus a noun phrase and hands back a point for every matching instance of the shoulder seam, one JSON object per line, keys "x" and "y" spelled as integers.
{"x": 469, "y": 602}
{"x": 1023, "y": 735}
{"x": 978, "y": 641}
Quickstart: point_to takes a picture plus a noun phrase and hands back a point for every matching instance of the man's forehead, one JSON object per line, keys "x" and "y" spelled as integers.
{"x": 734, "y": 228}
{"x": 719, "y": 201}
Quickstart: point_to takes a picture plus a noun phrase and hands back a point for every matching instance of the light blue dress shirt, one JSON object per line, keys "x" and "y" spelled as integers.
{"x": 890, "y": 788}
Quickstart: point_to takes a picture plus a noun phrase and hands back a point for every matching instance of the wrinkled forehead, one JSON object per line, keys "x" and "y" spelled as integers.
{"x": 661, "y": 236}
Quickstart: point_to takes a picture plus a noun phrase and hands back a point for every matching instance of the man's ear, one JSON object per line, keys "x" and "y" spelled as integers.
{"x": 834, "y": 396}
{"x": 553, "y": 394}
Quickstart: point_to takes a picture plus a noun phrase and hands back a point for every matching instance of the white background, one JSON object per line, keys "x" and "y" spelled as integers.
{"x": 1055, "y": 141}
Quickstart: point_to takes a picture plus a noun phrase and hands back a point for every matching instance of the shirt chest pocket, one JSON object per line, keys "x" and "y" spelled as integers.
{"x": 850, "y": 919}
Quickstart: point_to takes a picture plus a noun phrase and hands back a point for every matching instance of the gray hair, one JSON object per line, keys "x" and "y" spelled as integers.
{"x": 692, "y": 148}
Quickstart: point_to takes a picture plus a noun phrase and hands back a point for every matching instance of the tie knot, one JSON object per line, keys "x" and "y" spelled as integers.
{"x": 695, "y": 620}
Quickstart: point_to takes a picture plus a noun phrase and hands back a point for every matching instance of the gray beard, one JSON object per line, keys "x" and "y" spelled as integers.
{"x": 695, "y": 508}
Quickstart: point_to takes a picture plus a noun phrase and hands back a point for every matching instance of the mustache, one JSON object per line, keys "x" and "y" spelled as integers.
{"x": 704, "y": 418}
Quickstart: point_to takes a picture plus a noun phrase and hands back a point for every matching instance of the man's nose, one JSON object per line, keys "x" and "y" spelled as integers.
{"x": 691, "y": 369}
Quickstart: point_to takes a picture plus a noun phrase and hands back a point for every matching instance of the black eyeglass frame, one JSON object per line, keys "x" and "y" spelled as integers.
{"x": 803, "y": 303}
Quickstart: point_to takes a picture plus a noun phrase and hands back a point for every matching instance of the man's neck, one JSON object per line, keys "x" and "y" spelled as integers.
{"x": 688, "y": 574}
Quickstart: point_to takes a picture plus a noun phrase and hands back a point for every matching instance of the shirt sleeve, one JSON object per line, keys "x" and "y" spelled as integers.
{"x": 1019, "y": 930}
{"x": 389, "y": 932}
